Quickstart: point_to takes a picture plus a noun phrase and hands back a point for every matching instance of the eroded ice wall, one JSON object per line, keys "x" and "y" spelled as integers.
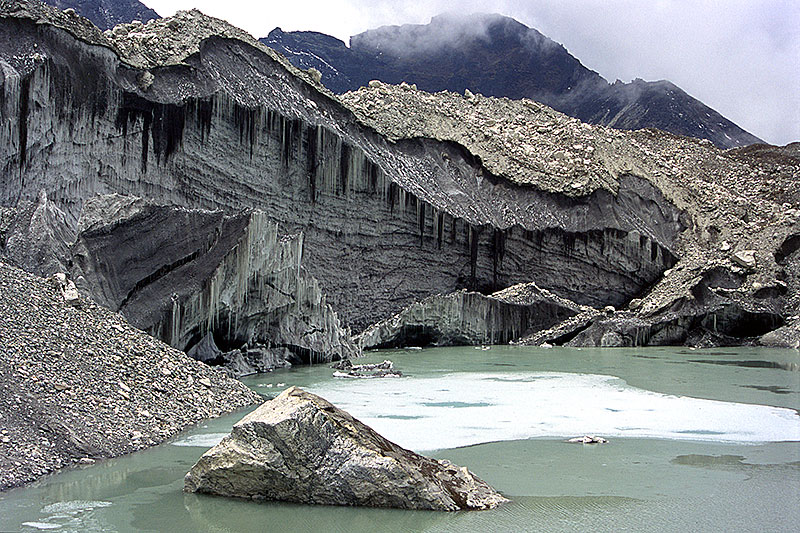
{"x": 384, "y": 223}
{"x": 234, "y": 277}
{"x": 470, "y": 318}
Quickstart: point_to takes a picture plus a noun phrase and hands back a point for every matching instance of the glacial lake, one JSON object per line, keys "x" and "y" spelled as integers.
{"x": 700, "y": 440}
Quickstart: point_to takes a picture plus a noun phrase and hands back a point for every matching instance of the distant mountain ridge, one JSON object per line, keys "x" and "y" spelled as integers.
{"x": 105, "y": 14}
{"x": 498, "y": 56}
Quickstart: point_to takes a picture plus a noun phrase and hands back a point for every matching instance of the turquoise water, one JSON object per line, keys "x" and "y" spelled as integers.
{"x": 702, "y": 440}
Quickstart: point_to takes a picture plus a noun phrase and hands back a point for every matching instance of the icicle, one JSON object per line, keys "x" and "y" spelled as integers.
{"x": 176, "y": 322}
{"x": 11, "y": 90}
{"x": 299, "y": 254}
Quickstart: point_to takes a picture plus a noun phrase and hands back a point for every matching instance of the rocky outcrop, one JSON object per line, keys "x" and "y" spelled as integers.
{"x": 38, "y": 236}
{"x": 783, "y": 337}
{"x": 713, "y": 307}
{"x": 79, "y": 383}
{"x": 561, "y": 333}
{"x": 470, "y": 318}
{"x": 229, "y": 277}
{"x": 7, "y": 216}
{"x": 788, "y": 258}
{"x": 300, "y": 448}
{"x": 346, "y": 369}
{"x": 588, "y": 439}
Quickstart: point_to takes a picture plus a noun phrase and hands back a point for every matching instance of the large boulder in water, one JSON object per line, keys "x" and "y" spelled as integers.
{"x": 301, "y": 448}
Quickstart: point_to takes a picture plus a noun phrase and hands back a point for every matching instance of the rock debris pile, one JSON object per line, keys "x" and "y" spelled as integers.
{"x": 78, "y": 383}
{"x": 522, "y": 140}
{"x": 346, "y": 369}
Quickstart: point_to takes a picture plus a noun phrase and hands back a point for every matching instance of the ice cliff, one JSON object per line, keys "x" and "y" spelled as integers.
{"x": 247, "y": 170}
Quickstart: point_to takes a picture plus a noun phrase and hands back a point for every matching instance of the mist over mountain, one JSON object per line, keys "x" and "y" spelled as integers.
{"x": 498, "y": 56}
{"x": 105, "y": 14}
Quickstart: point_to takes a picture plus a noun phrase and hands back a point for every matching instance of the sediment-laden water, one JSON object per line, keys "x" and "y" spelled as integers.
{"x": 700, "y": 441}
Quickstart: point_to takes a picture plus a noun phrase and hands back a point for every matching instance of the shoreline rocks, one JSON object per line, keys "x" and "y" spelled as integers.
{"x": 300, "y": 448}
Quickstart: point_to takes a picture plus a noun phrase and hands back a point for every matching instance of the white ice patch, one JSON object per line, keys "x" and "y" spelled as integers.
{"x": 73, "y": 507}
{"x": 464, "y": 409}
{"x": 205, "y": 440}
{"x": 41, "y": 525}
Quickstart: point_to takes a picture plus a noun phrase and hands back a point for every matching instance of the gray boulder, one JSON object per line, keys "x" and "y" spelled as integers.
{"x": 784, "y": 337}
{"x": 300, "y": 448}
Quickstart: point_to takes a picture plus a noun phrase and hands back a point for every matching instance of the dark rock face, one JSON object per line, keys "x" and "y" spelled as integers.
{"x": 105, "y": 14}
{"x": 497, "y": 56}
{"x": 301, "y": 448}
{"x": 342, "y": 68}
{"x": 384, "y": 223}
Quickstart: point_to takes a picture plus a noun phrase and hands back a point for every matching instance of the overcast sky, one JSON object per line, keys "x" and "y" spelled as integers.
{"x": 741, "y": 57}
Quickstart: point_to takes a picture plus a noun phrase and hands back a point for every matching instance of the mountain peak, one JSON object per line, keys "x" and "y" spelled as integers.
{"x": 496, "y": 55}
{"x": 450, "y": 31}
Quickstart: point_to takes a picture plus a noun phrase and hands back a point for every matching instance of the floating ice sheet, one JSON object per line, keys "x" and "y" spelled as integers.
{"x": 455, "y": 410}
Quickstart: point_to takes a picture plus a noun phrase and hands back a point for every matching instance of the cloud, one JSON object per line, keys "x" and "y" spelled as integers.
{"x": 740, "y": 57}
{"x": 449, "y": 31}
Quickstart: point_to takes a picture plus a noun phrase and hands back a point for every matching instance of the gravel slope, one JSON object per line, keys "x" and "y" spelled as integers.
{"x": 80, "y": 383}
